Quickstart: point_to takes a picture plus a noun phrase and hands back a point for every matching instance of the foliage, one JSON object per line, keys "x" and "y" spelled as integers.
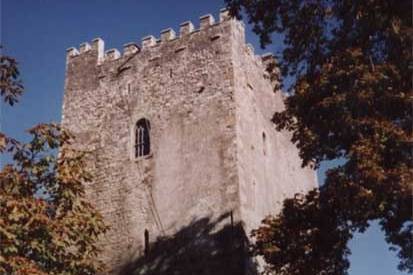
{"x": 11, "y": 87}
{"x": 351, "y": 99}
{"x": 47, "y": 226}
{"x": 297, "y": 238}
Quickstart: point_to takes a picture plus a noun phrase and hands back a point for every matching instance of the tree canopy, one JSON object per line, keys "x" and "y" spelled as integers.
{"x": 351, "y": 99}
{"x": 11, "y": 87}
{"x": 47, "y": 226}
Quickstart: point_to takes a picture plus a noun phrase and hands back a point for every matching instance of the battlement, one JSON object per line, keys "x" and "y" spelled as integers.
{"x": 168, "y": 43}
{"x": 185, "y": 29}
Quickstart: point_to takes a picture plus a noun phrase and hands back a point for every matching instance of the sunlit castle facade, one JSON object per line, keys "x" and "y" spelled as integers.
{"x": 185, "y": 158}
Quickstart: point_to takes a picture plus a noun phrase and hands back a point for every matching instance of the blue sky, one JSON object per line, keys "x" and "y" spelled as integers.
{"x": 38, "y": 32}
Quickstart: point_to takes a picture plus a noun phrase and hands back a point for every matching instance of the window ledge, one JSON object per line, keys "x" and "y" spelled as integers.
{"x": 142, "y": 158}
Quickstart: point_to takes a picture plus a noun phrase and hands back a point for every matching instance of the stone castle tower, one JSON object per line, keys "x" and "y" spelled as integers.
{"x": 185, "y": 158}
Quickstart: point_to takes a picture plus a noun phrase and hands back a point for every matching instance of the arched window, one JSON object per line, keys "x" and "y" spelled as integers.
{"x": 142, "y": 138}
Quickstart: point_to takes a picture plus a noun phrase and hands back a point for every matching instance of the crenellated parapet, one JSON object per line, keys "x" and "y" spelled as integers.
{"x": 95, "y": 52}
{"x": 187, "y": 28}
{"x": 97, "y": 46}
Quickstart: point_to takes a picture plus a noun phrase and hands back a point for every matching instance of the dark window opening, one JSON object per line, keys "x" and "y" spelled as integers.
{"x": 201, "y": 90}
{"x": 264, "y": 144}
{"x": 146, "y": 242}
{"x": 213, "y": 38}
{"x": 142, "y": 138}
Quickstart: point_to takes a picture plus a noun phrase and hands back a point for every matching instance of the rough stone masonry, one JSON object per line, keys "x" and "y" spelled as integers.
{"x": 216, "y": 165}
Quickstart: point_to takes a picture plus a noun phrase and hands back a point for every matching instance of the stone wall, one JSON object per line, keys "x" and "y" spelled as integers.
{"x": 210, "y": 177}
{"x": 269, "y": 167}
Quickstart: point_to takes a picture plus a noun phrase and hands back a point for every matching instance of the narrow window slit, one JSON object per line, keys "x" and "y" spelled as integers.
{"x": 179, "y": 49}
{"x": 213, "y": 38}
{"x": 264, "y": 143}
{"x": 146, "y": 235}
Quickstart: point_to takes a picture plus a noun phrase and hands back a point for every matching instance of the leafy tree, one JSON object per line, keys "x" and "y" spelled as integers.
{"x": 47, "y": 226}
{"x": 350, "y": 99}
{"x": 10, "y": 85}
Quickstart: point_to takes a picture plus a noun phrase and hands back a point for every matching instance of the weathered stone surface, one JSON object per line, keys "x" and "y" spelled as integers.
{"x": 217, "y": 165}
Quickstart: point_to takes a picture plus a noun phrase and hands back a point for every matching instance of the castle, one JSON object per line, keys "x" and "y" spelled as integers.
{"x": 185, "y": 158}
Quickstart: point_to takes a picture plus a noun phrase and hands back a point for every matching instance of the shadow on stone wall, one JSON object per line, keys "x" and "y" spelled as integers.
{"x": 204, "y": 247}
